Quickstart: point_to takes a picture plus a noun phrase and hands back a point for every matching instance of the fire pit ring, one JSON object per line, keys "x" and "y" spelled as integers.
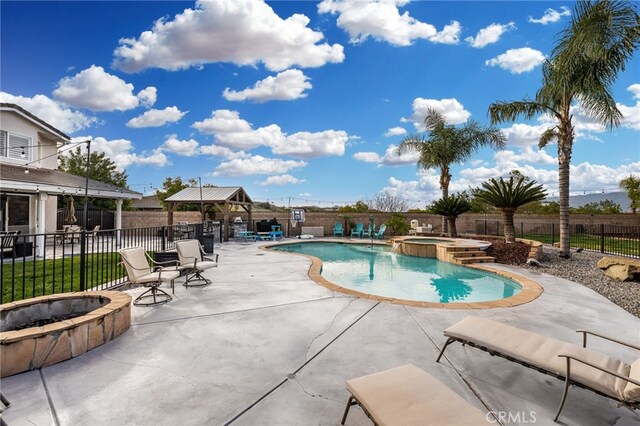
{"x": 85, "y": 320}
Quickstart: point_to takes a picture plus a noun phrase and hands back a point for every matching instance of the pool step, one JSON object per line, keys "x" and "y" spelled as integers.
{"x": 476, "y": 259}
{"x": 468, "y": 253}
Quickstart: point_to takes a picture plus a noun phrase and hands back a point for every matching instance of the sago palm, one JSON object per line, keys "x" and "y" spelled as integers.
{"x": 591, "y": 51}
{"x": 450, "y": 207}
{"x": 446, "y": 145}
{"x": 507, "y": 196}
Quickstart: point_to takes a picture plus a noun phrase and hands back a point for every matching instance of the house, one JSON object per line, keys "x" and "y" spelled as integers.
{"x": 29, "y": 180}
{"x": 147, "y": 203}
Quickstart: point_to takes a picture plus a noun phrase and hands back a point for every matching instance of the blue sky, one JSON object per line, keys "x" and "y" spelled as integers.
{"x": 300, "y": 99}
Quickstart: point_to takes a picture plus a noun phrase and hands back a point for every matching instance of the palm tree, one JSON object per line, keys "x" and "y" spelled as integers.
{"x": 450, "y": 207}
{"x": 631, "y": 184}
{"x": 591, "y": 51}
{"x": 507, "y": 196}
{"x": 447, "y": 145}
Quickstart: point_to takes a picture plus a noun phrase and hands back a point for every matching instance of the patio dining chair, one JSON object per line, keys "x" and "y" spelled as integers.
{"x": 193, "y": 258}
{"x": 8, "y": 243}
{"x": 136, "y": 262}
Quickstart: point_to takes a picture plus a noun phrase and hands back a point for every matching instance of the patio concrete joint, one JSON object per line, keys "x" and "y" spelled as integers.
{"x": 54, "y": 414}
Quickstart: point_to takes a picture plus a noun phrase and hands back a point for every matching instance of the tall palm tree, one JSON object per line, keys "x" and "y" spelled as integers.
{"x": 447, "y": 145}
{"x": 591, "y": 51}
{"x": 507, "y": 196}
{"x": 450, "y": 207}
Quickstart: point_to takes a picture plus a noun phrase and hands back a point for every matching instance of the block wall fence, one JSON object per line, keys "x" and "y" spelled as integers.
{"x": 466, "y": 223}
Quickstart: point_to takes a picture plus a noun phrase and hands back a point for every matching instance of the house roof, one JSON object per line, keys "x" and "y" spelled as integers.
{"x": 219, "y": 194}
{"x": 4, "y": 106}
{"x": 14, "y": 179}
{"x": 147, "y": 202}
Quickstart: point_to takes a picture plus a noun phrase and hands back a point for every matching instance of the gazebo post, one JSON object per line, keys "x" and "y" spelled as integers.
{"x": 250, "y": 216}
{"x": 226, "y": 221}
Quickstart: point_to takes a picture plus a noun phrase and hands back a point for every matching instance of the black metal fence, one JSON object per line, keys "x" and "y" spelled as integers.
{"x": 620, "y": 240}
{"x": 40, "y": 264}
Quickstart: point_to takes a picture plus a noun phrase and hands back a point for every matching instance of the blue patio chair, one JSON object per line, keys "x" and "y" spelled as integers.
{"x": 378, "y": 235}
{"x": 338, "y": 230}
{"x": 369, "y": 231}
{"x": 357, "y": 232}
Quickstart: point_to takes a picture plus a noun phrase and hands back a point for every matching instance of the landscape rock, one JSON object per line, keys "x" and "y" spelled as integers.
{"x": 533, "y": 262}
{"x": 620, "y": 268}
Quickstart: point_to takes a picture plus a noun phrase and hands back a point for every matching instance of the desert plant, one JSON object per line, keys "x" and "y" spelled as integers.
{"x": 398, "y": 225}
{"x": 451, "y": 207}
{"x": 507, "y": 196}
{"x": 592, "y": 50}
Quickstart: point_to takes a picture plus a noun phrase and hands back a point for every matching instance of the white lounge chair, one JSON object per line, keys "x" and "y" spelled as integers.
{"x": 192, "y": 257}
{"x": 574, "y": 364}
{"x": 139, "y": 271}
{"x": 408, "y": 395}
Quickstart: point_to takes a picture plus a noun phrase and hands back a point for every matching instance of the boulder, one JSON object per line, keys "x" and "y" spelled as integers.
{"x": 620, "y": 268}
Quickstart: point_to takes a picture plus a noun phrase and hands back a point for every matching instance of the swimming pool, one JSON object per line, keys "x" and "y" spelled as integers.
{"x": 377, "y": 270}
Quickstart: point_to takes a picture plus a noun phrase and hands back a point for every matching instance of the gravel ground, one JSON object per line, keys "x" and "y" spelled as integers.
{"x": 581, "y": 268}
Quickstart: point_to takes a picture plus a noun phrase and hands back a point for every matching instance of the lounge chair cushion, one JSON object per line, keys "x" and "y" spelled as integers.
{"x": 632, "y": 391}
{"x": 167, "y": 275}
{"x": 189, "y": 252}
{"x": 542, "y": 352}
{"x": 408, "y": 395}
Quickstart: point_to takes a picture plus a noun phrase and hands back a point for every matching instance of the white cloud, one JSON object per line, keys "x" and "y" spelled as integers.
{"x": 489, "y": 35}
{"x": 98, "y": 90}
{"x": 45, "y": 108}
{"x": 156, "y": 117}
{"x": 395, "y": 131}
{"x": 526, "y": 155}
{"x": 524, "y": 135}
{"x": 120, "y": 151}
{"x": 517, "y": 61}
{"x": 148, "y": 96}
{"x": 635, "y": 89}
{"x": 382, "y": 20}
{"x": 452, "y": 110}
{"x": 222, "y": 151}
{"x": 186, "y": 148}
{"x": 285, "y": 86}
{"x": 390, "y": 157}
{"x": 551, "y": 15}
{"x": 244, "y": 32}
{"x": 235, "y": 133}
{"x": 367, "y": 157}
{"x": 631, "y": 115}
{"x": 256, "y": 165}
{"x": 281, "y": 180}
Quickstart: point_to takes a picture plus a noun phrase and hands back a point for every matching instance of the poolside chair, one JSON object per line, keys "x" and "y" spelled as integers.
{"x": 8, "y": 243}
{"x": 369, "y": 231}
{"x": 378, "y": 235}
{"x": 574, "y": 364}
{"x": 338, "y": 230}
{"x": 413, "y": 230}
{"x": 408, "y": 395}
{"x": 357, "y": 232}
{"x": 135, "y": 260}
{"x": 192, "y": 257}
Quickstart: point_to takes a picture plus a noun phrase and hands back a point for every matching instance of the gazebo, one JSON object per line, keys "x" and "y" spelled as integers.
{"x": 223, "y": 197}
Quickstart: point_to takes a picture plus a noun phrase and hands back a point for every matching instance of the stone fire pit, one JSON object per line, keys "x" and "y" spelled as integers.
{"x": 46, "y": 330}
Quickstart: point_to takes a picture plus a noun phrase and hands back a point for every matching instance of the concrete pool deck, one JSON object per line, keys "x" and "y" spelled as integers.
{"x": 265, "y": 345}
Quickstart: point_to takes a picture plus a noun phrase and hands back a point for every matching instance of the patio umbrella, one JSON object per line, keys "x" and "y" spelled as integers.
{"x": 71, "y": 211}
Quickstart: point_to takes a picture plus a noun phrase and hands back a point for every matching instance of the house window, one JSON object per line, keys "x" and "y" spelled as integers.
{"x": 15, "y": 146}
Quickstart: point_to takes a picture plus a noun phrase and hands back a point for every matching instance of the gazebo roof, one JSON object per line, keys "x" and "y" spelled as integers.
{"x": 219, "y": 194}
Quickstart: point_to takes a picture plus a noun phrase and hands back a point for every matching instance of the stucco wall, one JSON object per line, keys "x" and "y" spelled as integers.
{"x": 14, "y": 123}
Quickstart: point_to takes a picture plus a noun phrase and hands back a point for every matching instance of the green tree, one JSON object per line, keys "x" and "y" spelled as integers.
{"x": 101, "y": 168}
{"x": 590, "y": 53}
{"x": 507, "y": 196}
{"x": 172, "y": 186}
{"x": 359, "y": 207}
{"x": 446, "y": 145}
{"x": 451, "y": 207}
{"x": 598, "y": 207}
{"x": 538, "y": 207}
{"x": 631, "y": 184}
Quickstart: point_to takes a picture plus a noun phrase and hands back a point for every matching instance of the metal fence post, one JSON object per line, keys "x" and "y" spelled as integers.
{"x": 163, "y": 231}
{"x": 602, "y": 238}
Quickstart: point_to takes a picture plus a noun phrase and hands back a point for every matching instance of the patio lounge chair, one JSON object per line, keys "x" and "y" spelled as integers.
{"x": 574, "y": 364}
{"x": 338, "y": 230}
{"x": 8, "y": 243}
{"x": 408, "y": 395}
{"x": 139, "y": 272}
{"x": 378, "y": 235}
{"x": 357, "y": 232}
{"x": 190, "y": 256}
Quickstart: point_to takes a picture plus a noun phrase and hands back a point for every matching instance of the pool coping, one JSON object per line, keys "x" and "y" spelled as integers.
{"x": 531, "y": 290}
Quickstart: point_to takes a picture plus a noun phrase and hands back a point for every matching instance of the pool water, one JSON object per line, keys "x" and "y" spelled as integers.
{"x": 379, "y": 271}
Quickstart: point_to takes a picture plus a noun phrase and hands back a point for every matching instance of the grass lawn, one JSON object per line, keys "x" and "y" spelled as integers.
{"x": 627, "y": 247}
{"x": 51, "y": 276}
